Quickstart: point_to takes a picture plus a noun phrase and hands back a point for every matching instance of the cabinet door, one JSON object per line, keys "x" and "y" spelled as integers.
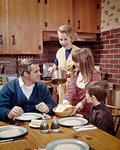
{"x": 87, "y": 16}
{"x": 25, "y": 34}
{"x": 2, "y": 27}
{"x": 56, "y": 13}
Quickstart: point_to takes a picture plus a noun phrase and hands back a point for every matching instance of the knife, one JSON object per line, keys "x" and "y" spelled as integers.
{"x": 8, "y": 140}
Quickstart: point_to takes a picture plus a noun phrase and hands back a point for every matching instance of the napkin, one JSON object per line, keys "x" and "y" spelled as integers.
{"x": 45, "y": 116}
{"x": 83, "y": 128}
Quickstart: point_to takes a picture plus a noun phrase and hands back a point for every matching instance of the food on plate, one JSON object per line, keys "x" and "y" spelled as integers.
{"x": 8, "y": 132}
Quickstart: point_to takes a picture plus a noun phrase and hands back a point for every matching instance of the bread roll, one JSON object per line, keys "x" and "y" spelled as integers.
{"x": 36, "y": 122}
{"x": 62, "y": 107}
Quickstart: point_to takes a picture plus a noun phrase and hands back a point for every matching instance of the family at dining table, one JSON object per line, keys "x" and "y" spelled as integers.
{"x": 84, "y": 88}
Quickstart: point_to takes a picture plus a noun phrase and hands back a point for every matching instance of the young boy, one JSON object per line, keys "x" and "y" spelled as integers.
{"x": 100, "y": 115}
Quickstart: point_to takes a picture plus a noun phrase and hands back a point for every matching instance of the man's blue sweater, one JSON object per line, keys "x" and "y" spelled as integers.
{"x": 12, "y": 95}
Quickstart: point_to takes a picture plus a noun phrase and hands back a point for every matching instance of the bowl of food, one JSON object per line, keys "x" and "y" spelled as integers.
{"x": 63, "y": 110}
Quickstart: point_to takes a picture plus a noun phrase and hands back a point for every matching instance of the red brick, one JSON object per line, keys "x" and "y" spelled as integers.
{"x": 117, "y": 76}
{"x": 109, "y": 46}
{"x": 102, "y": 56}
{"x": 117, "y": 45}
{"x": 114, "y": 41}
{"x": 110, "y": 36}
{"x": 101, "y": 47}
{"x": 113, "y": 51}
{"x": 106, "y": 51}
{"x": 117, "y": 86}
{"x": 114, "y": 71}
{"x": 117, "y": 66}
{"x": 114, "y": 61}
{"x": 116, "y": 55}
{"x": 105, "y": 70}
{"x": 114, "y": 80}
{"x": 102, "y": 65}
{"x": 109, "y": 65}
{"x": 105, "y": 42}
{"x": 109, "y": 56}
{"x": 105, "y": 33}
{"x": 105, "y": 61}
{"x": 102, "y": 38}
{"x": 117, "y": 35}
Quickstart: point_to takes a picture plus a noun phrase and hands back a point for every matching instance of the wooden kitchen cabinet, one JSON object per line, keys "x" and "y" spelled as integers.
{"x": 87, "y": 16}
{"x": 82, "y": 15}
{"x": 23, "y": 34}
{"x": 56, "y": 13}
{"x": 2, "y": 27}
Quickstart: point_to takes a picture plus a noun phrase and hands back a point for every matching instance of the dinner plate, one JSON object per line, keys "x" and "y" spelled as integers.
{"x": 72, "y": 121}
{"x": 7, "y": 132}
{"x": 28, "y": 116}
{"x": 67, "y": 144}
{"x": 34, "y": 126}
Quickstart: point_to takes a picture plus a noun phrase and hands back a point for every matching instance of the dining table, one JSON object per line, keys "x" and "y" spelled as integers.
{"x": 95, "y": 138}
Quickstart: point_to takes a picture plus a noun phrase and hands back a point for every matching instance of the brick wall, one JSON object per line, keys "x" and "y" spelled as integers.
{"x": 107, "y": 54}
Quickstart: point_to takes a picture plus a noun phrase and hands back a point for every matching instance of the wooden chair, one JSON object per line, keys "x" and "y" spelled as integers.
{"x": 116, "y": 118}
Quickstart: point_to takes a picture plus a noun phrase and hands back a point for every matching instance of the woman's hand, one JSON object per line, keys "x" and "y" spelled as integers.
{"x": 74, "y": 111}
{"x": 69, "y": 74}
{"x": 15, "y": 112}
{"x": 65, "y": 102}
{"x": 78, "y": 106}
{"x": 51, "y": 69}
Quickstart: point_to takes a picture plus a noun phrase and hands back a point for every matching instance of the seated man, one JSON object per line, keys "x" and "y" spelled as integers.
{"x": 26, "y": 93}
{"x": 100, "y": 115}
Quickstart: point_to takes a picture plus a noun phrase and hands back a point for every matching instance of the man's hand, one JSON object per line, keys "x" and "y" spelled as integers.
{"x": 42, "y": 107}
{"x": 15, "y": 112}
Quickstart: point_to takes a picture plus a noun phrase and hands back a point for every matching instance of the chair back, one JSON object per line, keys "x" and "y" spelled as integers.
{"x": 116, "y": 118}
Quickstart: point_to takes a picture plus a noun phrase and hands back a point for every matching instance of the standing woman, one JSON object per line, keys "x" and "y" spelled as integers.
{"x": 85, "y": 72}
{"x": 63, "y": 59}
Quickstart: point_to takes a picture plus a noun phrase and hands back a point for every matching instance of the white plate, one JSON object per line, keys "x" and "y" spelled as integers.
{"x": 67, "y": 144}
{"x": 12, "y": 131}
{"x": 72, "y": 121}
{"x": 28, "y": 116}
{"x": 34, "y": 126}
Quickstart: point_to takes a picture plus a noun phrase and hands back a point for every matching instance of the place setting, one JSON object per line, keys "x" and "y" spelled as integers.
{"x": 12, "y": 133}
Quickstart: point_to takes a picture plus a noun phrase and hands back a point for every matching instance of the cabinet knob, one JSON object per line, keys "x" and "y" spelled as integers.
{"x": 1, "y": 42}
{"x": 78, "y": 24}
{"x": 13, "y": 36}
{"x": 68, "y": 21}
{"x": 45, "y": 1}
{"x": 46, "y": 24}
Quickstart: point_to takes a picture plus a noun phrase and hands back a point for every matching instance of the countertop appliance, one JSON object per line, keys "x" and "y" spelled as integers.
{"x": 46, "y": 74}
